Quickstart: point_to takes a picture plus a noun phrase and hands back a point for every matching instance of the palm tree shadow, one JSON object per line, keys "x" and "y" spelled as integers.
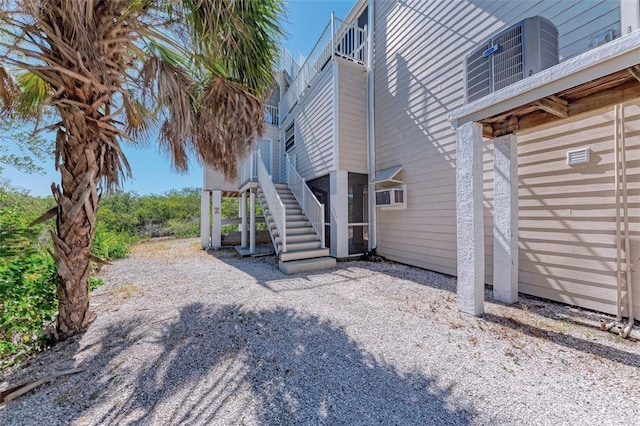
{"x": 231, "y": 365}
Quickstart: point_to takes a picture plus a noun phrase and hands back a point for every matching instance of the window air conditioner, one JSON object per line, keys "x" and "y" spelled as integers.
{"x": 513, "y": 54}
{"x": 392, "y": 197}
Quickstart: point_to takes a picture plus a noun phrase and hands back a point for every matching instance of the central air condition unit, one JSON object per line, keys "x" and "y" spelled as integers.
{"x": 518, "y": 52}
{"x": 392, "y": 197}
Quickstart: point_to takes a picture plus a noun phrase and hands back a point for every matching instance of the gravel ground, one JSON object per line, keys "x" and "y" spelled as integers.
{"x": 186, "y": 337}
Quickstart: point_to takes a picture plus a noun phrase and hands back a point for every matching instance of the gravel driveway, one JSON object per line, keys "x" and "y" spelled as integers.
{"x": 187, "y": 337}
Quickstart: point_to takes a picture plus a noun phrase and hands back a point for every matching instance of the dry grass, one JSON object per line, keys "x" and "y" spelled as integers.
{"x": 125, "y": 291}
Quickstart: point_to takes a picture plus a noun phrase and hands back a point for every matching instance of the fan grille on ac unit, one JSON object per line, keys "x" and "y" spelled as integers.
{"x": 517, "y": 52}
{"x": 508, "y": 62}
{"x": 478, "y": 74}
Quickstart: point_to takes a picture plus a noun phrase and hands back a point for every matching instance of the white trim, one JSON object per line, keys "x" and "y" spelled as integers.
{"x": 371, "y": 140}
{"x": 387, "y": 176}
{"x": 617, "y": 55}
{"x": 336, "y": 114}
{"x": 629, "y": 16}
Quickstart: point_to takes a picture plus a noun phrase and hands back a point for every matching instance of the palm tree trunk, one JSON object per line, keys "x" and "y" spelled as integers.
{"x": 77, "y": 209}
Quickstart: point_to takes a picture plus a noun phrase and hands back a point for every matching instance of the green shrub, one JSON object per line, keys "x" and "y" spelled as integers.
{"x": 183, "y": 228}
{"x": 27, "y": 280}
{"x": 109, "y": 245}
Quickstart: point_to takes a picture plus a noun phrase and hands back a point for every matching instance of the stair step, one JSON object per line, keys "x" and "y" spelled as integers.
{"x": 303, "y": 254}
{"x": 297, "y": 238}
{"x": 281, "y": 185}
{"x": 295, "y": 217}
{"x": 299, "y": 230}
{"x": 301, "y": 245}
{"x": 307, "y": 265}
{"x": 298, "y": 224}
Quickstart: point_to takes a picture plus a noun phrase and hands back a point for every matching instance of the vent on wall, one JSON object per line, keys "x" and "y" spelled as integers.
{"x": 578, "y": 156}
{"x": 513, "y": 54}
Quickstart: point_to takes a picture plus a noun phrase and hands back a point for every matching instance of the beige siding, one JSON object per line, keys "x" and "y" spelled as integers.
{"x": 314, "y": 130}
{"x": 565, "y": 246}
{"x": 567, "y": 230}
{"x": 213, "y": 179}
{"x": 352, "y": 117}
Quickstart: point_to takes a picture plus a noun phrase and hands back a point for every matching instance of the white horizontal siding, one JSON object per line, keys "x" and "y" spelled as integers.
{"x": 352, "y": 117}
{"x": 314, "y": 127}
{"x": 420, "y": 48}
{"x": 214, "y": 179}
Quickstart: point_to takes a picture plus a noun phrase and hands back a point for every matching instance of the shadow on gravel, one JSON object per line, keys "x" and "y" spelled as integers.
{"x": 230, "y": 366}
{"x": 582, "y": 345}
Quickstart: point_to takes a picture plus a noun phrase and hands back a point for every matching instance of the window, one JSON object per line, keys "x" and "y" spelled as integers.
{"x": 289, "y": 137}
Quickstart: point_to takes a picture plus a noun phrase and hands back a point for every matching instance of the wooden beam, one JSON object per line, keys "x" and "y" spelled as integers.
{"x": 635, "y": 71}
{"x": 553, "y": 105}
{"x": 621, "y": 94}
{"x": 487, "y": 130}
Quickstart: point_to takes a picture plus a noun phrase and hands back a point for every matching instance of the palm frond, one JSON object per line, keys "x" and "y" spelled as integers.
{"x": 35, "y": 91}
{"x": 229, "y": 120}
{"x": 9, "y": 90}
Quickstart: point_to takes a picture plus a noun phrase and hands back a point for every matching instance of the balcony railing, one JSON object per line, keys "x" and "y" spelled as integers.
{"x": 271, "y": 115}
{"x": 249, "y": 168}
{"x": 338, "y": 38}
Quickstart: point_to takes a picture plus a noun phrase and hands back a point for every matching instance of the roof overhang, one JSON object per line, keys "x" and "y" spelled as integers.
{"x": 602, "y": 77}
{"x": 387, "y": 176}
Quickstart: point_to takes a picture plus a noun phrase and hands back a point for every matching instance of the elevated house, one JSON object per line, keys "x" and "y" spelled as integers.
{"x": 495, "y": 141}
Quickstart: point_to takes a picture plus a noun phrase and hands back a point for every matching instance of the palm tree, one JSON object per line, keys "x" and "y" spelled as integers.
{"x": 113, "y": 70}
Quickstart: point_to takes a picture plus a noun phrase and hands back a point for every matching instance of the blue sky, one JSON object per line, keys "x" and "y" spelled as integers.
{"x": 151, "y": 169}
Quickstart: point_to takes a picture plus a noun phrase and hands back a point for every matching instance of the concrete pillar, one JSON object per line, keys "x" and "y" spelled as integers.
{"x": 243, "y": 215}
{"x": 216, "y": 232}
{"x": 205, "y": 219}
{"x": 505, "y": 219}
{"x": 252, "y": 221}
{"x": 470, "y": 219}
{"x": 338, "y": 188}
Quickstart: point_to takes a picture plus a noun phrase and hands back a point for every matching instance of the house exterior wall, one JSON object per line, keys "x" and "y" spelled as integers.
{"x": 567, "y": 214}
{"x": 313, "y": 119}
{"x": 567, "y": 228}
{"x": 352, "y": 117}
{"x": 214, "y": 179}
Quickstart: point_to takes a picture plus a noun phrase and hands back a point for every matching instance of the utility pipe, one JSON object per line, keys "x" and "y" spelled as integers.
{"x": 627, "y": 246}
{"x": 371, "y": 140}
{"x": 616, "y": 182}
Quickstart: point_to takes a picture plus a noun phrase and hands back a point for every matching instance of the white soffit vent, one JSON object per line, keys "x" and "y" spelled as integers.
{"x": 578, "y": 156}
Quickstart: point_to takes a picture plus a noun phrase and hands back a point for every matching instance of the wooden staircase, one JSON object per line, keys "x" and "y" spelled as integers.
{"x": 304, "y": 251}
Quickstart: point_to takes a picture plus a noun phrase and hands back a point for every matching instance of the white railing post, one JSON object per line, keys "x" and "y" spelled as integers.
{"x": 333, "y": 32}
{"x": 304, "y": 199}
{"x": 322, "y": 223}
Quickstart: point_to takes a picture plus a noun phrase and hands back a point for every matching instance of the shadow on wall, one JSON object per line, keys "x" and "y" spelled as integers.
{"x": 230, "y": 365}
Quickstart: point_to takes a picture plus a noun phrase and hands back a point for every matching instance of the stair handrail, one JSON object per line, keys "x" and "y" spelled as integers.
{"x": 276, "y": 206}
{"x": 309, "y": 204}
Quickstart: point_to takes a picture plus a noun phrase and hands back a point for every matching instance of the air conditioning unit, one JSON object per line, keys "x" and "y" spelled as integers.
{"x": 392, "y": 197}
{"x": 518, "y": 52}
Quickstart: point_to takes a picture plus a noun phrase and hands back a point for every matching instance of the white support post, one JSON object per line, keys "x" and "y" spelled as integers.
{"x": 470, "y": 219}
{"x": 505, "y": 219}
{"x": 252, "y": 221}
{"x": 216, "y": 232}
{"x": 205, "y": 219}
{"x": 243, "y": 215}
{"x": 338, "y": 184}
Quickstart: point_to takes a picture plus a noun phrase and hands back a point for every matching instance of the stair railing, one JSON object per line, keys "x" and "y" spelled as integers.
{"x": 308, "y": 202}
{"x": 276, "y": 206}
